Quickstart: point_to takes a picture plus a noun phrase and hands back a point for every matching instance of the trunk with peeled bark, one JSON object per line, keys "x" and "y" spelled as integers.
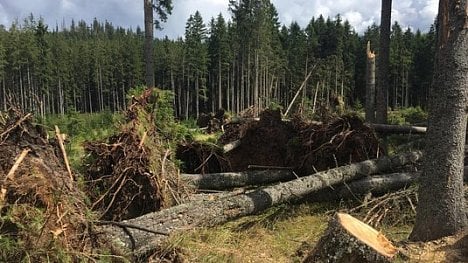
{"x": 441, "y": 209}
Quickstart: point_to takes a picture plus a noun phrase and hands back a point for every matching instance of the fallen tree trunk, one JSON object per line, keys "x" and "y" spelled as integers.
{"x": 387, "y": 128}
{"x": 223, "y": 181}
{"x": 376, "y": 184}
{"x": 348, "y": 239}
{"x": 193, "y": 214}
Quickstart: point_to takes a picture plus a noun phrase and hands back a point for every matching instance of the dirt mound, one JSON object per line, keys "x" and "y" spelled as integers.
{"x": 201, "y": 158}
{"x": 306, "y": 146}
{"x": 131, "y": 174}
{"x": 342, "y": 141}
{"x": 42, "y": 213}
{"x": 263, "y": 142}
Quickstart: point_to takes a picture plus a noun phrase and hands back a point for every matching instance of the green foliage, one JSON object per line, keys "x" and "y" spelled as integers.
{"x": 81, "y": 127}
{"x": 411, "y": 115}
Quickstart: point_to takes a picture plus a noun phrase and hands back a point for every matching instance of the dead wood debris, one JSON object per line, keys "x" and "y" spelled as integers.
{"x": 42, "y": 211}
{"x": 129, "y": 174}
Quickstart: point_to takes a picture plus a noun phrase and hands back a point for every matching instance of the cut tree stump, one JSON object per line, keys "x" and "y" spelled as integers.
{"x": 349, "y": 240}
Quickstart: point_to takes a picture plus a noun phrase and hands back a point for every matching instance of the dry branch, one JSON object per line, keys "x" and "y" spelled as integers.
{"x": 7, "y": 131}
{"x": 218, "y": 211}
{"x": 15, "y": 166}
{"x": 59, "y": 136}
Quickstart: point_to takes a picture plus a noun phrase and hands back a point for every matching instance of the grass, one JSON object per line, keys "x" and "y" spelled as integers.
{"x": 281, "y": 234}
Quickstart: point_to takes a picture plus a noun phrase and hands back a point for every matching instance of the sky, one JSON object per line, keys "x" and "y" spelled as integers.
{"x": 416, "y": 14}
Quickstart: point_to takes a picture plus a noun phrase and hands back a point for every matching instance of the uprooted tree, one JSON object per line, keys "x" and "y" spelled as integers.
{"x": 441, "y": 209}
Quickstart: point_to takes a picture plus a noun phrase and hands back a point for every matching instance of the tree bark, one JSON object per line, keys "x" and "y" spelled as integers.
{"x": 218, "y": 211}
{"x": 441, "y": 209}
{"x": 376, "y": 184}
{"x": 224, "y": 181}
{"x": 148, "y": 8}
{"x": 349, "y": 240}
{"x": 384, "y": 61}
{"x": 370, "y": 85}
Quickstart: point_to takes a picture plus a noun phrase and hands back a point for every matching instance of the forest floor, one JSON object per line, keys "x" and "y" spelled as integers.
{"x": 285, "y": 233}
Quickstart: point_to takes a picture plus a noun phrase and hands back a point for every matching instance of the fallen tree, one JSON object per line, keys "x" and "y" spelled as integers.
{"x": 223, "y": 181}
{"x": 153, "y": 228}
{"x": 405, "y": 129}
{"x": 376, "y": 184}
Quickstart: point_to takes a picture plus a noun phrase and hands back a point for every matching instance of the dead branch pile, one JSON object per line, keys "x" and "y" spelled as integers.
{"x": 131, "y": 173}
{"x": 42, "y": 213}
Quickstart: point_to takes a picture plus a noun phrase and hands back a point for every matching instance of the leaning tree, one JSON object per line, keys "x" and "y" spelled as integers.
{"x": 441, "y": 209}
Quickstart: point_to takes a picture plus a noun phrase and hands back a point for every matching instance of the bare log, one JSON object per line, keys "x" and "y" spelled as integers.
{"x": 348, "y": 239}
{"x": 387, "y": 128}
{"x": 208, "y": 213}
{"x": 223, "y": 181}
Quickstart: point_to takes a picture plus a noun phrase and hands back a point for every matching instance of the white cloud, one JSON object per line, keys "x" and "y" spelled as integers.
{"x": 129, "y": 13}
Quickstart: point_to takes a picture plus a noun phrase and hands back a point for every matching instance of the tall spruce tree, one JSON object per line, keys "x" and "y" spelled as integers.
{"x": 441, "y": 210}
{"x": 162, "y": 9}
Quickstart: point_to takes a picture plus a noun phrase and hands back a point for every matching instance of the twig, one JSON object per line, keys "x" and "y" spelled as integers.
{"x": 16, "y": 125}
{"x": 15, "y": 166}
{"x": 125, "y": 225}
{"x": 204, "y": 162}
{"x": 64, "y": 153}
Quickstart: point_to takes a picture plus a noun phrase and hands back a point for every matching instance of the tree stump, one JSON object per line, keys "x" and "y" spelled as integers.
{"x": 347, "y": 239}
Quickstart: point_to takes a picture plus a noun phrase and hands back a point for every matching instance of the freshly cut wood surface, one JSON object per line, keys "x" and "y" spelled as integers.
{"x": 367, "y": 234}
{"x": 349, "y": 240}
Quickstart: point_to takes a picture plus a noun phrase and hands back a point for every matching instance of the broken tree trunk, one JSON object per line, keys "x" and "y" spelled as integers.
{"x": 223, "y": 181}
{"x": 349, "y": 240}
{"x": 387, "y": 128}
{"x": 208, "y": 213}
{"x": 370, "y": 85}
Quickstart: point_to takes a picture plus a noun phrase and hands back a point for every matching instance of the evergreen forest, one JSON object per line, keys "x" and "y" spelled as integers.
{"x": 246, "y": 60}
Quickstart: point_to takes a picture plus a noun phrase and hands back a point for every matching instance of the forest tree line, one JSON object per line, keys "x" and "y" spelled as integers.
{"x": 248, "y": 60}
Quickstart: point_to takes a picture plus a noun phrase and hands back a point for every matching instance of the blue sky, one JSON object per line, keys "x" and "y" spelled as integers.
{"x": 129, "y": 13}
